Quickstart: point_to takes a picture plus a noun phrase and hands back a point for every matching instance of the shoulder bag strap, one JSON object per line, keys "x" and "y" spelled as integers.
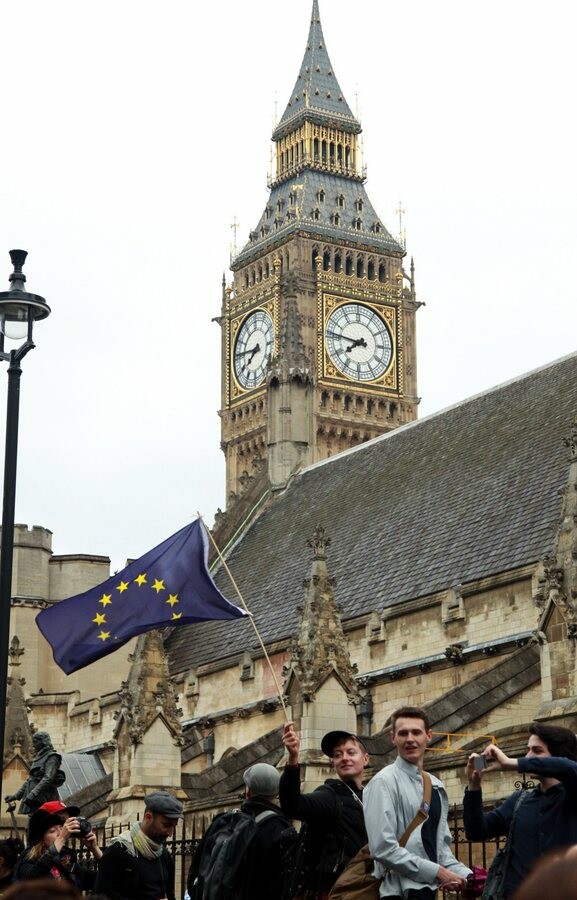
{"x": 522, "y": 796}
{"x": 423, "y": 810}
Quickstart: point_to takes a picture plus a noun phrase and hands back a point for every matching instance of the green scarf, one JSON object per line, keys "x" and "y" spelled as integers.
{"x": 143, "y": 845}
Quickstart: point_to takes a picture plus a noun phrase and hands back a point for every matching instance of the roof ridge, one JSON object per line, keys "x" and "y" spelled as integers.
{"x": 417, "y": 422}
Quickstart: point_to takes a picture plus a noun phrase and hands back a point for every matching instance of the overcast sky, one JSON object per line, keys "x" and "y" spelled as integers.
{"x": 134, "y": 132}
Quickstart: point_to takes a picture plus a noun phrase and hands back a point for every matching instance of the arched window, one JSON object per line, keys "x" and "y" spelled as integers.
{"x": 382, "y": 272}
{"x": 326, "y": 260}
{"x": 338, "y": 262}
{"x": 371, "y": 270}
{"x": 349, "y": 264}
{"x": 360, "y": 267}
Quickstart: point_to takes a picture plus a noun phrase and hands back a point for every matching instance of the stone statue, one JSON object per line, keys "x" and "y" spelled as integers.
{"x": 45, "y": 776}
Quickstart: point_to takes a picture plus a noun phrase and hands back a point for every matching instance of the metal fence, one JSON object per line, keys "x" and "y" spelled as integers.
{"x": 184, "y": 842}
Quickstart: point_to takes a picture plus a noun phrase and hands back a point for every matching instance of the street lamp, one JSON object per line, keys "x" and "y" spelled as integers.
{"x": 18, "y": 312}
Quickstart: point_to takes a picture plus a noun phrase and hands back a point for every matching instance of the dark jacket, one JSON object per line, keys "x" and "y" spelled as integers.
{"x": 124, "y": 876}
{"x": 54, "y": 864}
{"x": 334, "y": 812}
{"x": 546, "y": 820}
{"x": 266, "y": 857}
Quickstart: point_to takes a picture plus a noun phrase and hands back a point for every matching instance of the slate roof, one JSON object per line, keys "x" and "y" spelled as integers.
{"x": 278, "y": 223}
{"x": 316, "y": 95}
{"x": 466, "y": 493}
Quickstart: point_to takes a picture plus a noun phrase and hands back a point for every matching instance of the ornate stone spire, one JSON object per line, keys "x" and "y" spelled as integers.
{"x": 291, "y": 357}
{"x": 18, "y": 734}
{"x": 320, "y": 648}
{"x": 289, "y": 397}
{"x": 149, "y": 690}
{"x": 556, "y": 596}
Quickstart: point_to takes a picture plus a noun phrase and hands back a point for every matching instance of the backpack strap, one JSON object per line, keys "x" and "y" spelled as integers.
{"x": 265, "y": 814}
{"x": 422, "y": 812}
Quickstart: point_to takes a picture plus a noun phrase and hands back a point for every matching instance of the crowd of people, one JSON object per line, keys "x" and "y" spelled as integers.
{"x": 398, "y": 823}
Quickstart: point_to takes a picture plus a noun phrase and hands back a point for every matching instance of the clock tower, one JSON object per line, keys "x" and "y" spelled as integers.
{"x": 318, "y": 325}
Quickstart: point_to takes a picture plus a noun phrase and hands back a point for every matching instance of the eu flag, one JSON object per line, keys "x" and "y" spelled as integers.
{"x": 170, "y": 585}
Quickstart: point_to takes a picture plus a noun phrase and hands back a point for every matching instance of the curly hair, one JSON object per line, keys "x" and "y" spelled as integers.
{"x": 559, "y": 741}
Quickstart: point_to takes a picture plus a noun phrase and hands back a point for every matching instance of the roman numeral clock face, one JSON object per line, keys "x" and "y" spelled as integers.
{"x": 358, "y": 342}
{"x": 253, "y": 349}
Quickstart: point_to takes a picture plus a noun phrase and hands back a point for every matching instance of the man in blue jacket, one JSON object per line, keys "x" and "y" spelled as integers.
{"x": 546, "y": 819}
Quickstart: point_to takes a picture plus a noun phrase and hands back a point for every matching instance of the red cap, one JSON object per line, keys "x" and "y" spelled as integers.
{"x": 56, "y": 806}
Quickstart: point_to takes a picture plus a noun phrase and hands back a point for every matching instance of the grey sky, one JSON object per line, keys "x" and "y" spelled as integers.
{"x": 134, "y": 132}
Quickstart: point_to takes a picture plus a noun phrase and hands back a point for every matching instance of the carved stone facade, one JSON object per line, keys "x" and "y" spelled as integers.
{"x": 556, "y": 601}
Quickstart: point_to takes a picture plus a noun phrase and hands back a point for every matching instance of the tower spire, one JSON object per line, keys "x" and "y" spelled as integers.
{"x": 317, "y": 95}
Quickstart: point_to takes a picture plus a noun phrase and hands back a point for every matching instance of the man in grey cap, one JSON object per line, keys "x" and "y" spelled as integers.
{"x": 136, "y": 865}
{"x": 255, "y": 867}
{"x": 264, "y": 866}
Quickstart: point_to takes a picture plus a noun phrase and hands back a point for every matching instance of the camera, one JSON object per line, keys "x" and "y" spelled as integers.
{"x": 85, "y": 826}
{"x": 479, "y": 762}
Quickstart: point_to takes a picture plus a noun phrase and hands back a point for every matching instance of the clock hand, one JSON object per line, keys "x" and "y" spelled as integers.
{"x": 244, "y": 352}
{"x": 356, "y": 342}
{"x": 359, "y": 342}
{"x": 251, "y": 357}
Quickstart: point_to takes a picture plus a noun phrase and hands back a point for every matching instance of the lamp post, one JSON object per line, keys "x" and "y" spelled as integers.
{"x": 18, "y": 312}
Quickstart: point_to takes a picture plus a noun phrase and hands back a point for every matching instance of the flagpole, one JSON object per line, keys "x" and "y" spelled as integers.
{"x": 250, "y": 615}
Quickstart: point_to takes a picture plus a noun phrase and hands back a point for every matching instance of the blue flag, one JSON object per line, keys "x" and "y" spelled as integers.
{"x": 170, "y": 585}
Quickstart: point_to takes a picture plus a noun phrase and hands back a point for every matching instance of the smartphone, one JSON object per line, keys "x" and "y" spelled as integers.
{"x": 479, "y": 762}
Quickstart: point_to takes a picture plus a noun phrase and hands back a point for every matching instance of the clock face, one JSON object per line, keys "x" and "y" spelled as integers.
{"x": 358, "y": 341}
{"x": 253, "y": 349}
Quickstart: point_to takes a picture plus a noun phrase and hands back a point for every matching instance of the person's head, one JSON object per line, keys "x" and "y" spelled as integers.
{"x": 41, "y": 740}
{"x": 347, "y": 753}
{"x": 411, "y": 733}
{"x": 551, "y": 740}
{"x": 161, "y": 815}
{"x": 553, "y": 870}
{"x": 10, "y": 850}
{"x": 43, "y": 829}
{"x": 42, "y": 889}
{"x": 261, "y": 780}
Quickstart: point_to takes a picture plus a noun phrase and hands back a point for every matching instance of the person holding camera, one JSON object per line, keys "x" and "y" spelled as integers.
{"x": 536, "y": 821}
{"x": 48, "y": 855}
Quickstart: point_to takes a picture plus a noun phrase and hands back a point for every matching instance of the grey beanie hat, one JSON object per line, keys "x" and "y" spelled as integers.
{"x": 164, "y": 804}
{"x": 262, "y": 779}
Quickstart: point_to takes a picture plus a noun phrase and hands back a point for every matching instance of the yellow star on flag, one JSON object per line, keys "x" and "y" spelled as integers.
{"x": 140, "y": 580}
{"x": 104, "y": 635}
{"x": 123, "y": 586}
{"x": 158, "y": 586}
{"x": 100, "y": 619}
{"x": 173, "y": 598}
{"x": 177, "y": 615}
{"x": 106, "y": 599}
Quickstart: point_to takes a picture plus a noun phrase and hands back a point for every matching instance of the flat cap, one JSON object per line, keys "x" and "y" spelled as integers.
{"x": 262, "y": 779}
{"x": 164, "y": 804}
